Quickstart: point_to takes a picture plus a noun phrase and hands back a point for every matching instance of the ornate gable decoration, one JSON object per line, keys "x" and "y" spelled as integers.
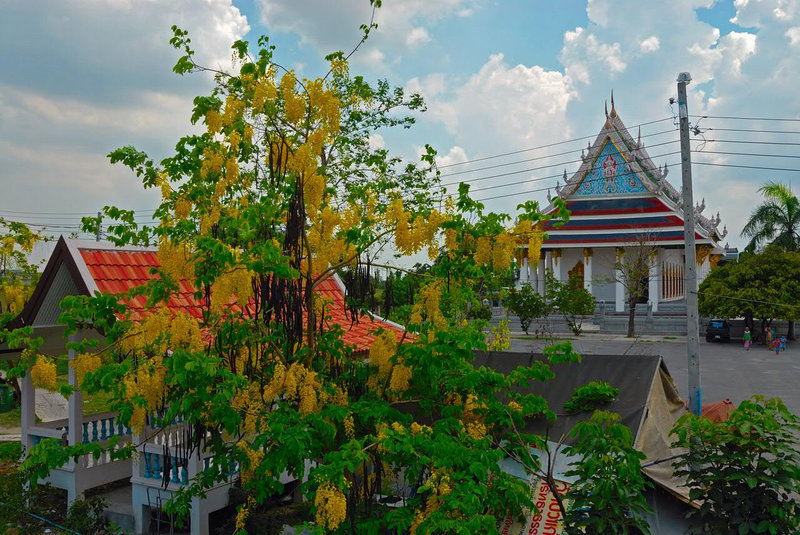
{"x": 616, "y": 165}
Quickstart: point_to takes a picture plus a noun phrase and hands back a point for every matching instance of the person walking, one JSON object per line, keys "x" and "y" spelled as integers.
{"x": 747, "y": 338}
{"x": 769, "y": 339}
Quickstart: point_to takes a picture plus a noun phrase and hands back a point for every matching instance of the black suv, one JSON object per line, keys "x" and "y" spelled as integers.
{"x": 718, "y": 331}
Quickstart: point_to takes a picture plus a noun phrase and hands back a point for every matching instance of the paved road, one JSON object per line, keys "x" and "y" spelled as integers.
{"x": 727, "y": 370}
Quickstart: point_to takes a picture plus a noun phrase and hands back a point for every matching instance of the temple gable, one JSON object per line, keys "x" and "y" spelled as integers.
{"x": 609, "y": 173}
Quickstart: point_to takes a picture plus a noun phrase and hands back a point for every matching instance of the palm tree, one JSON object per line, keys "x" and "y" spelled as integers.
{"x": 776, "y": 221}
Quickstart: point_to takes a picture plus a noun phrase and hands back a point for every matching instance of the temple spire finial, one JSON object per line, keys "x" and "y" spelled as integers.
{"x": 608, "y": 119}
{"x": 639, "y": 138}
{"x": 613, "y": 109}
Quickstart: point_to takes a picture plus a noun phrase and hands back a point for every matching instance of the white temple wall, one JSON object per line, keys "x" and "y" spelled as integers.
{"x": 603, "y": 273}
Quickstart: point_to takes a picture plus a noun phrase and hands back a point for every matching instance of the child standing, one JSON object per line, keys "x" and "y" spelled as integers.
{"x": 777, "y": 345}
{"x": 747, "y": 338}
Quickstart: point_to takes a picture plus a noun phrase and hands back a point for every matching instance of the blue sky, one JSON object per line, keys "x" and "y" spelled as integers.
{"x": 81, "y": 78}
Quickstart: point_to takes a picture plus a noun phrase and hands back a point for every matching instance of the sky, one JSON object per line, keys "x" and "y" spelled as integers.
{"x": 81, "y": 78}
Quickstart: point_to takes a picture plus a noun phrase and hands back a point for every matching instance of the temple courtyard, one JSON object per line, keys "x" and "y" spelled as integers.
{"x": 727, "y": 370}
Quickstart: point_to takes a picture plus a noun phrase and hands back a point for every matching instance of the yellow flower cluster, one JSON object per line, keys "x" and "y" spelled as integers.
{"x": 44, "y": 374}
{"x": 83, "y": 364}
{"x": 514, "y": 406}
{"x": 263, "y": 92}
{"x": 331, "y": 506}
{"x": 383, "y": 348}
{"x": 411, "y": 236}
{"x": 148, "y": 381}
{"x": 526, "y": 231}
{"x": 439, "y": 483}
{"x": 500, "y": 337}
{"x": 325, "y": 247}
{"x": 244, "y": 513}
{"x": 313, "y": 189}
{"x": 254, "y": 458}
{"x": 401, "y": 377}
{"x": 427, "y": 306}
{"x": 472, "y": 418}
{"x": 162, "y": 330}
{"x": 237, "y": 282}
{"x": 497, "y": 251}
{"x": 349, "y": 425}
{"x": 13, "y": 297}
{"x": 176, "y": 259}
{"x": 294, "y": 104}
{"x": 416, "y": 428}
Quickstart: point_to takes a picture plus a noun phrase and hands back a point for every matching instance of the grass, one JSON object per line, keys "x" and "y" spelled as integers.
{"x": 10, "y": 451}
{"x": 10, "y": 418}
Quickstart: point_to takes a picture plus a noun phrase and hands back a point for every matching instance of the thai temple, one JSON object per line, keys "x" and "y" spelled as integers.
{"x": 618, "y": 199}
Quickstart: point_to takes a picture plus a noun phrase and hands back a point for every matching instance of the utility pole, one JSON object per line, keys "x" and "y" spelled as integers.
{"x": 99, "y": 227}
{"x": 690, "y": 268}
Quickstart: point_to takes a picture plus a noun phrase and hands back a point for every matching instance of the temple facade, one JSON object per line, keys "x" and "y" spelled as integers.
{"x": 619, "y": 199}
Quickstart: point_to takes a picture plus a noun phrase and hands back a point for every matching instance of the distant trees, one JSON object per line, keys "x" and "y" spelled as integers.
{"x": 765, "y": 286}
{"x": 569, "y": 299}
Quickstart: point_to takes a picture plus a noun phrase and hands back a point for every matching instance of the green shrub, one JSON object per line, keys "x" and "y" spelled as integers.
{"x": 590, "y": 396}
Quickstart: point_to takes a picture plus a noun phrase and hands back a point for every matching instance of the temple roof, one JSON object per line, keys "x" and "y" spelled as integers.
{"x": 84, "y": 267}
{"x": 619, "y": 194}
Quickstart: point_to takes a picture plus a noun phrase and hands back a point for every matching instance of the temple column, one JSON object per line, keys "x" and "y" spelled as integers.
{"x": 524, "y": 274}
{"x": 653, "y": 282}
{"x": 548, "y": 265}
{"x": 619, "y": 288}
{"x": 587, "y": 269}
{"x": 557, "y": 265}
{"x": 540, "y": 275}
{"x": 28, "y": 410}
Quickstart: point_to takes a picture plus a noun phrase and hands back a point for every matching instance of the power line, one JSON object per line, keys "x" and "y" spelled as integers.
{"x": 544, "y": 146}
{"x": 747, "y": 142}
{"x": 752, "y": 130}
{"x": 554, "y": 176}
{"x": 746, "y": 154}
{"x": 747, "y": 166}
{"x": 731, "y": 117}
{"x": 517, "y": 193}
{"x": 517, "y": 172}
{"x": 536, "y": 158}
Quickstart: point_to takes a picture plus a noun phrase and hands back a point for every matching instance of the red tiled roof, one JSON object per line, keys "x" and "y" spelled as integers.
{"x": 117, "y": 271}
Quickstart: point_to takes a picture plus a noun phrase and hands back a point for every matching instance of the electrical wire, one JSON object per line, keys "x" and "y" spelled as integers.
{"x": 736, "y": 118}
{"x": 746, "y": 154}
{"x": 594, "y": 136}
{"x": 752, "y": 130}
{"x": 573, "y": 151}
{"x": 747, "y": 166}
{"x": 517, "y": 172}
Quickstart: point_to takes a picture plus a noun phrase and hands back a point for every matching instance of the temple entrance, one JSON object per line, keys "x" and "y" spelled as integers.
{"x": 575, "y": 275}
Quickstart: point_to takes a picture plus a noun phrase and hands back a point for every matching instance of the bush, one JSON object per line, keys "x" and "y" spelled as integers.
{"x": 590, "y": 396}
{"x": 743, "y": 471}
{"x": 480, "y": 312}
{"x": 527, "y": 305}
{"x": 86, "y": 516}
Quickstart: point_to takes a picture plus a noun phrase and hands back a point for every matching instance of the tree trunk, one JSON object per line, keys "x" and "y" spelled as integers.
{"x": 631, "y": 315}
{"x": 790, "y": 333}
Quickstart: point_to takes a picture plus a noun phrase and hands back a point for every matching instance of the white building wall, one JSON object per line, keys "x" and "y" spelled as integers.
{"x": 603, "y": 273}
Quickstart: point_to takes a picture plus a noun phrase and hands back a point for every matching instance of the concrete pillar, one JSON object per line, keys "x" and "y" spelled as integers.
{"x": 548, "y": 263}
{"x": 75, "y": 431}
{"x": 540, "y": 275}
{"x": 557, "y": 265}
{"x": 28, "y": 410}
{"x": 198, "y": 516}
{"x": 618, "y": 286}
{"x": 524, "y": 274}
{"x": 587, "y": 269}
{"x": 653, "y": 282}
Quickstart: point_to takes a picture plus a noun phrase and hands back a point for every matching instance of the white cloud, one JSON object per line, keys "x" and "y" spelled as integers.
{"x": 376, "y": 142}
{"x": 651, "y": 44}
{"x": 793, "y": 34}
{"x": 331, "y": 26}
{"x": 417, "y": 36}
{"x": 502, "y": 106}
{"x": 85, "y": 77}
{"x": 454, "y": 156}
{"x": 430, "y": 86}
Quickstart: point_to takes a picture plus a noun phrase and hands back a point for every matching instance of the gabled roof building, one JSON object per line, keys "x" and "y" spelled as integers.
{"x": 618, "y": 199}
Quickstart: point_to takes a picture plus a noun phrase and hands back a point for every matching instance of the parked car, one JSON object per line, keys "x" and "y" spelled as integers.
{"x": 718, "y": 330}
